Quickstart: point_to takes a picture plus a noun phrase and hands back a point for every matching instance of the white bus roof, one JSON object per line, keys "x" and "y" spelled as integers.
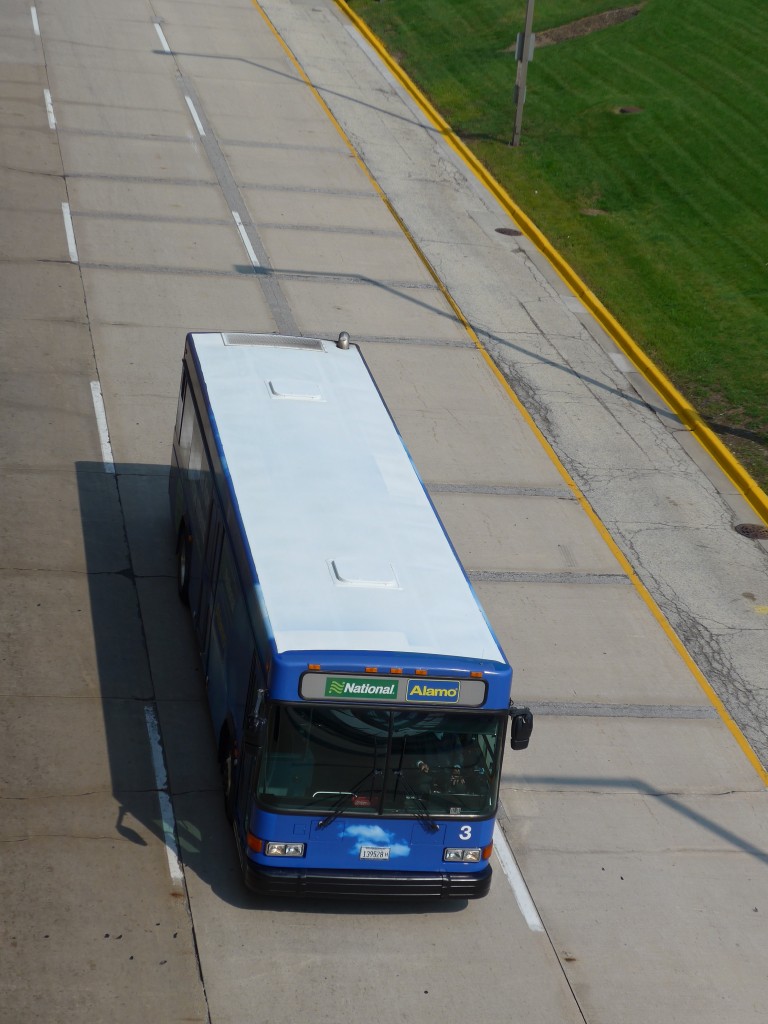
{"x": 347, "y": 547}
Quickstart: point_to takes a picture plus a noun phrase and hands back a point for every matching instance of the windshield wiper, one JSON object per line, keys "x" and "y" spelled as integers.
{"x": 422, "y": 814}
{"x": 347, "y": 798}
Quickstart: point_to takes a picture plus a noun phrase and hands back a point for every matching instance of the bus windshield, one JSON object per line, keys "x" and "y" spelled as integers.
{"x": 374, "y": 762}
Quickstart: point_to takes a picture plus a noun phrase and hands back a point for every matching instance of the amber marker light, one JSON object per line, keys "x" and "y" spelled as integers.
{"x": 475, "y": 675}
{"x": 255, "y": 844}
{"x": 396, "y": 671}
{"x": 371, "y": 670}
{"x": 313, "y": 668}
{"x": 487, "y": 851}
{"x": 420, "y": 672}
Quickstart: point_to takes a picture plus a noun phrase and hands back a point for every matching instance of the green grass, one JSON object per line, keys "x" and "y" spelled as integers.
{"x": 679, "y": 251}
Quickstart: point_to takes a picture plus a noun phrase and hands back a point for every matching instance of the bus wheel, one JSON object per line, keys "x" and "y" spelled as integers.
{"x": 183, "y": 558}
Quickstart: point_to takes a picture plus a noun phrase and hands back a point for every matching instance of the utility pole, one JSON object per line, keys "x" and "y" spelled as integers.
{"x": 524, "y": 53}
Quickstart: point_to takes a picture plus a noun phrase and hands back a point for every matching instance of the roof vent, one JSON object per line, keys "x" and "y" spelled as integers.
{"x": 354, "y": 572}
{"x": 297, "y": 390}
{"x": 273, "y": 341}
{"x": 343, "y": 341}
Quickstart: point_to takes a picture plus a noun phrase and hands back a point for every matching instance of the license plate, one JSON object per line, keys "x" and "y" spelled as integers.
{"x": 374, "y": 853}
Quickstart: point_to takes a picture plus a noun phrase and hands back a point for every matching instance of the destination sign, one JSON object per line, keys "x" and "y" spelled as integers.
{"x": 468, "y": 693}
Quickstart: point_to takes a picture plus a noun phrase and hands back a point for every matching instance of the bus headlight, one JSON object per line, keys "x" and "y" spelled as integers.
{"x": 468, "y": 856}
{"x": 284, "y": 850}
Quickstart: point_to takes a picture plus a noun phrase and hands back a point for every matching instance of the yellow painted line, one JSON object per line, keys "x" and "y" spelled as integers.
{"x": 618, "y": 554}
{"x": 745, "y": 484}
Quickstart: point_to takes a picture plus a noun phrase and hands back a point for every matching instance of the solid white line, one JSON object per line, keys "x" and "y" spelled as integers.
{"x": 49, "y": 110}
{"x": 246, "y": 240}
{"x": 101, "y": 423}
{"x": 195, "y": 118}
{"x": 166, "y": 810}
{"x": 516, "y": 880}
{"x": 163, "y": 40}
{"x": 35, "y": 22}
{"x": 68, "y": 227}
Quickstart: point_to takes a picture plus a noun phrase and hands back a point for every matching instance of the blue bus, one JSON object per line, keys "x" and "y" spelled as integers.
{"x": 358, "y": 695}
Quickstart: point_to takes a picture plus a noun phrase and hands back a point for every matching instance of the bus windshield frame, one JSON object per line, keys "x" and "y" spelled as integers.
{"x": 391, "y": 763}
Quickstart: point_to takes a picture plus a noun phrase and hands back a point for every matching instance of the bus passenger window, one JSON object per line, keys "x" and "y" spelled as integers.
{"x": 185, "y": 432}
{"x": 180, "y": 407}
{"x": 199, "y": 481}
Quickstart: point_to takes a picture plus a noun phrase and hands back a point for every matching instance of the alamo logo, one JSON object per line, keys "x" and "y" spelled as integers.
{"x": 357, "y": 689}
{"x": 447, "y": 693}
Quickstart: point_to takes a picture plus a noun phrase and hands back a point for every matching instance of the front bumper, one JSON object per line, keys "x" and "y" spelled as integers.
{"x": 366, "y": 885}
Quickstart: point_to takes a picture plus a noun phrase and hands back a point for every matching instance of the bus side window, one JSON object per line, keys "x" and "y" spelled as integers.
{"x": 224, "y": 604}
{"x": 199, "y": 477}
{"x": 186, "y": 421}
{"x": 180, "y": 407}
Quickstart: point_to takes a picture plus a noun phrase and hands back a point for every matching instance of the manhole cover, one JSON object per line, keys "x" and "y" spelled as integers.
{"x": 755, "y": 531}
{"x": 508, "y": 231}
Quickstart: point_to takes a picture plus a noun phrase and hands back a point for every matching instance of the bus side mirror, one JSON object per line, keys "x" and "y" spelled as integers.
{"x": 255, "y": 731}
{"x": 522, "y": 727}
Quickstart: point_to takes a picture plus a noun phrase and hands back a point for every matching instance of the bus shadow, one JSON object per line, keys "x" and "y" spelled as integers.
{"x": 159, "y": 738}
{"x": 149, "y": 675}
